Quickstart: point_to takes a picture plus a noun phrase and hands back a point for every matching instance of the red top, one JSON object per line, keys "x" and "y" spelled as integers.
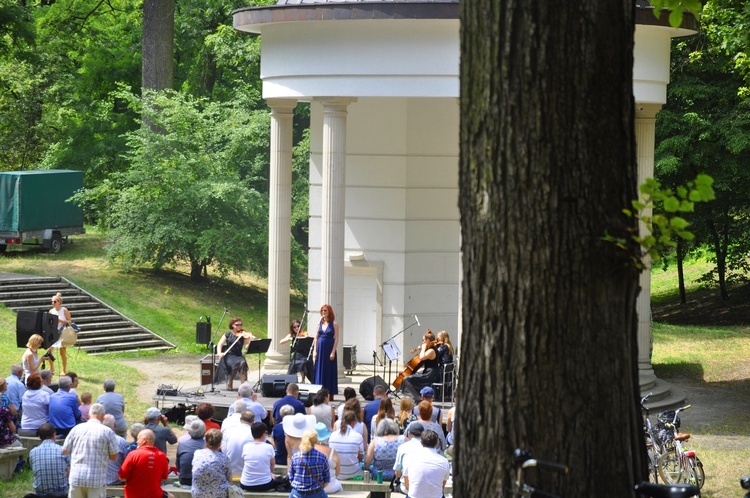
{"x": 143, "y": 471}
{"x": 210, "y": 424}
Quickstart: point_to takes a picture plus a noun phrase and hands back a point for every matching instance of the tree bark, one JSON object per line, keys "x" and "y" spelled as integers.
{"x": 681, "y": 271}
{"x": 158, "y": 44}
{"x": 721, "y": 243}
{"x": 549, "y": 348}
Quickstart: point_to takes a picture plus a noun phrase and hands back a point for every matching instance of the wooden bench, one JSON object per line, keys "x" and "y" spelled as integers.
{"x": 9, "y": 459}
{"x": 184, "y": 492}
{"x": 31, "y": 442}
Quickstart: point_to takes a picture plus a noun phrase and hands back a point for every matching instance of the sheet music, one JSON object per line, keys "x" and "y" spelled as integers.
{"x": 392, "y": 350}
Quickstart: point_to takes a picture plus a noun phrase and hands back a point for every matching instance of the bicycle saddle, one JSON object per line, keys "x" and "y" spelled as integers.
{"x": 666, "y": 490}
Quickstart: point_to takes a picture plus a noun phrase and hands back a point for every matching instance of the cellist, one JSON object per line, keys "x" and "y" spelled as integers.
{"x": 430, "y": 367}
{"x": 231, "y": 349}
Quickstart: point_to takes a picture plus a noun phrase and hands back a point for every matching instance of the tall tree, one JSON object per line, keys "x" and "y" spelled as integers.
{"x": 547, "y": 164}
{"x": 158, "y": 45}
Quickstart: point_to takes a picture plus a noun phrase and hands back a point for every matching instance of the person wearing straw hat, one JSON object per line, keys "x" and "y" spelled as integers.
{"x": 334, "y": 464}
{"x": 294, "y": 427}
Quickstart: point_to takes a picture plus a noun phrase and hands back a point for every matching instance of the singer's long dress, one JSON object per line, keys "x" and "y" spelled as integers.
{"x": 326, "y": 371}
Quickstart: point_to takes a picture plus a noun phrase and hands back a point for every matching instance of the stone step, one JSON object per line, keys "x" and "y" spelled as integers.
{"x": 126, "y": 346}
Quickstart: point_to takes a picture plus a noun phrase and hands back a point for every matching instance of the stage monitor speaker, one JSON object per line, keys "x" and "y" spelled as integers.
{"x": 274, "y": 386}
{"x": 308, "y": 391}
{"x": 28, "y": 323}
{"x": 367, "y": 386}
{"x": 203, "y": 332}
{"x": 50, "y": 334}
{"x": 350, "y": 357}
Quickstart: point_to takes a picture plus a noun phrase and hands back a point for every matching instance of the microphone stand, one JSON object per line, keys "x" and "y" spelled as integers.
{"x": 213, "y": 349}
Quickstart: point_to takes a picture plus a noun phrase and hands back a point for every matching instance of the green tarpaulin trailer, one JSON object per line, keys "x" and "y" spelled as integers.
{"x": 34, "y": 207}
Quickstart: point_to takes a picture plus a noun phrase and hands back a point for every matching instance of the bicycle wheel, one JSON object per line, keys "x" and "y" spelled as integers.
{"x": 695, "y": 474}
{"x": 653, "y": 474}
{"x": 670, "y": 470}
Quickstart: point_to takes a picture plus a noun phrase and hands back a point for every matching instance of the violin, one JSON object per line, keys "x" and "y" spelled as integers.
{"x": 244, "y": 334}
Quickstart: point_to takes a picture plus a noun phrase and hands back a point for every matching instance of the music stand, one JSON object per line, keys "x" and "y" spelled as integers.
{"x": 258, "y": 346}
{"x": 393, "y": 353}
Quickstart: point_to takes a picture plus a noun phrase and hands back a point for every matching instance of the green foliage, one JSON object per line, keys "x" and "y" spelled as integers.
{"x": 677, "y": 9}
{"x": 183, "y": 198}
{"x": 663, "y": 229}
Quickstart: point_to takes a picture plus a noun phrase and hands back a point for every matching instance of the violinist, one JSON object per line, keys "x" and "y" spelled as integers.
{"x": 231, "y": 349}
{"x": 430, "y": 367}
{"x": 299, "y": 361}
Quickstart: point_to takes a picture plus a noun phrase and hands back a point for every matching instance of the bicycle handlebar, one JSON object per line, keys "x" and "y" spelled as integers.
{"x": 541, "y": 464}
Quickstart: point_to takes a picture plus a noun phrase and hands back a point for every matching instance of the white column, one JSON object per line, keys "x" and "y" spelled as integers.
{"x": 645, "y": 130}
{"x": 333, "y": 213}
{"x": 279, "y": 233}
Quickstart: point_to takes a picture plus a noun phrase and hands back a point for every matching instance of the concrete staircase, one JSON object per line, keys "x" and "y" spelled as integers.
{"x": 103, "y": 329}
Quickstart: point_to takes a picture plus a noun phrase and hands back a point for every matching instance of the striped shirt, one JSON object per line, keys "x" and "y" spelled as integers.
{"x": 89, "y": 446}
{"x": 50, "y": 467}
{"x": 349, "y": 447}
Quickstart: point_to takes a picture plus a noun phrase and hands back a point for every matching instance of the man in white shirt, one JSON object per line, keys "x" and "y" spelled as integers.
{"x": 233, "y": 420}
{"x": 405, "y": 451}
{"x": 234, "y": 439}
{"x": 427, "y": 471}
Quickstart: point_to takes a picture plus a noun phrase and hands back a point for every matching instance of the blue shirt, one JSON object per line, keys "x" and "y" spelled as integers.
{"x": 371, "y": 409}
{"x": 15, "y": 390}
{"x": 307, "y": 469}
{"x": 50, "y": 467}
{"x": 299, "y": 406}
{"x": 63, "y": 410}
{"x": 114, "y": 404}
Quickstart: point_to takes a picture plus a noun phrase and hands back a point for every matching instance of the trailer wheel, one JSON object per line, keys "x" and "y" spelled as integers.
{"x": 3, "y": 248}
{"x": 55, "y": 244}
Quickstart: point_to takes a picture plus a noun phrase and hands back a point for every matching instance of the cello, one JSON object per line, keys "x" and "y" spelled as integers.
{"x": 413, "y": 364}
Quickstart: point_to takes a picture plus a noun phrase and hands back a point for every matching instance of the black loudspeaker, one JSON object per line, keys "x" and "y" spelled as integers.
{"x": 274, "y": 386}
{"x": 367, "y": 386}
{"x": 203, "y": 331}
{"x": 308, "y": 391}
{"x": 350, "y": 357}
{"x": 28, "y": 323}
{"x": 49, "y": 333}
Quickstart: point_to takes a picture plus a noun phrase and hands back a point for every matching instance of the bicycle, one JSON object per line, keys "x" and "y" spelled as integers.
{"x": 654, "y": 447}
{"x": 522, "y": 460}
{"x": 653, "y": 490}
{"x": 677, "y": 465}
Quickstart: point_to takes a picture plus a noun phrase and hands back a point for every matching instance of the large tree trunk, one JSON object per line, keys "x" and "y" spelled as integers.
{"x": 721, "y": 244}
{"x": 549, "y": 349}
{"x": 681, "y": 270}
{"x": 158, "y": 44}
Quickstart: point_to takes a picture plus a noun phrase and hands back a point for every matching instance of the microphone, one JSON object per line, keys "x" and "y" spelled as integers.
{"x": 417, "y": 319}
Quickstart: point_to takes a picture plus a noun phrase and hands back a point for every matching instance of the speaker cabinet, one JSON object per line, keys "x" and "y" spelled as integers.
{"x": 28, "y": 323}
{"x": 50, "y": 335}
{"x": 274, "y": 386}
{"x": 203, "y": 332}
{"x": 367, "y": 386}
{"x": 350, "y": 358}
{"x": 308, "y": 391}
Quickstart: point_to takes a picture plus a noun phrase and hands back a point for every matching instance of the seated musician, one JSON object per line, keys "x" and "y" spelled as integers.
{"x": 429, "y": 364}
{"x": 231, "y": 349}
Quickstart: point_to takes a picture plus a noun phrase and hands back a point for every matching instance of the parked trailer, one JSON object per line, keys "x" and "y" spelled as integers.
{"x": 34, "y": 208}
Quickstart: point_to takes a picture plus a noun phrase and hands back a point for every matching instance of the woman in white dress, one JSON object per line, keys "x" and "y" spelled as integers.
{"x": 334, "y": 464}
{"x": 63, "y": 319}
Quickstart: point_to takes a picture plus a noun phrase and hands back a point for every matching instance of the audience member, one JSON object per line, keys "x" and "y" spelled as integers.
{"x": 291, "y": 398}
{"x": 427, "y": 471}
{"x": 5, "y": 400}
{"x": 7, "y": 430}
{"x": 186, "y": 448}
{"x": 349, "y": 445}
{"x": 425, "y": 414}
{"x": 235, "y": 418}
{"x": 49, "y": 465}
{"x": 405, "y": 415}
{"x": 249, "y": 397}
{"x": 334, "y": 464}
{"x": 322, "y": 409}
{"x": 234, "y": 440}
{"x": 162, "y": 433}
{"x": 46, "y": 381}
{"x": 205, "y": 412}
{"x": 114, "y": 403}
{"x": 85, "y": 406}
{"x": 16, "y": 388}
{"x": 349, "y": 393}
{"x": 278, "y": 435}
{"x": 73, "y": 382}
{"x": 449, "y": 425}
{"x": 113, "y": 467}
{"x": 259, "y": 463}
{"x": 354, "y": 406}
{"x": 405, "y": 451}
{"x": 294, "y": 426}
{"x": 64, "y": 413}
{"x": 91, "y": 446}
{"x": 385, "y": 410}
{"x": 211, "y": 470}
{"x": 382, "y": 450}
{"x": 35, "y": 405}
{"x": 428, "y": 394}
{"x": 371, "y": 408}
{"x": 134, "y": 430}
{"x": 144, "y": 469}
{"x": 309, "y": 471}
